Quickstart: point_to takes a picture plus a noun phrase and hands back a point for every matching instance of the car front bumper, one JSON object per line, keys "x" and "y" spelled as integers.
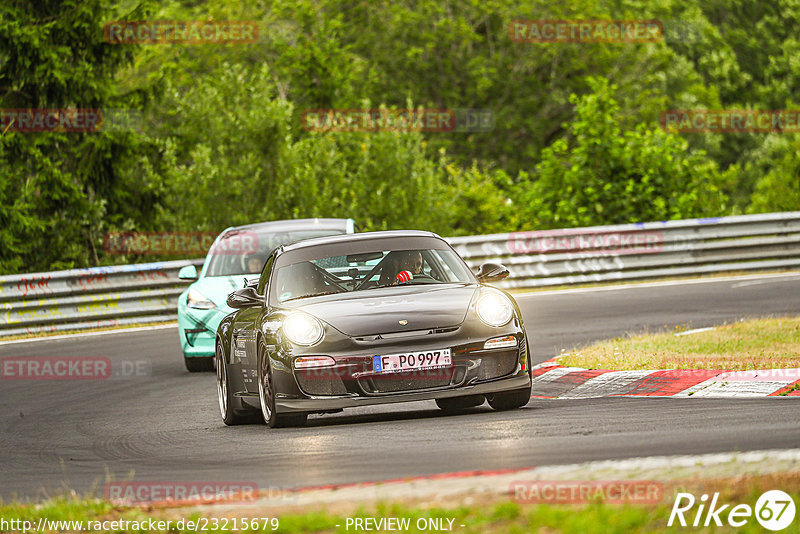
{"x": 197, "y": 330}
{"x": 353, "y": 380}
{"x": 321, "y": 404}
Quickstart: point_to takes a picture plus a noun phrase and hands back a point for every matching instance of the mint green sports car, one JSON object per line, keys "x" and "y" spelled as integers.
{"x": 237, "y": 253}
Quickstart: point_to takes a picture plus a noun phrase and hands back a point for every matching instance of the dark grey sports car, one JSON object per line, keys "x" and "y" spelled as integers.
{"x": 372, "y": 318}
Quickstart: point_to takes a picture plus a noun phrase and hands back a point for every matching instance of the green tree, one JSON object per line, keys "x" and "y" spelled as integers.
{"x": 776, "y": 174}
{"x": 602, "y": 174}
{"x": 58, "y": 190}
{"x": 232, "y": 153}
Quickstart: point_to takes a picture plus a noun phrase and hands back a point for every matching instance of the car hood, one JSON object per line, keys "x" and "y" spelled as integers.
{"x": 378, "y": 311}
{"x": 217, "y": 289}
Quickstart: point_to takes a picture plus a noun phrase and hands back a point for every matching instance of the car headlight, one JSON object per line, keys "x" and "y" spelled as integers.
{"x": 302, "y": 329}
{"x": 494, "y": 308}
{"x": 197, "y": 300}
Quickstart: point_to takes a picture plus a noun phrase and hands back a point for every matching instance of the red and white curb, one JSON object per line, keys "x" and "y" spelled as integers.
{"x": 554, "y": 381}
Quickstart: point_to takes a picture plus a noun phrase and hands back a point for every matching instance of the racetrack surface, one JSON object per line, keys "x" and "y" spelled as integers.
{"x": 165, "y": 425}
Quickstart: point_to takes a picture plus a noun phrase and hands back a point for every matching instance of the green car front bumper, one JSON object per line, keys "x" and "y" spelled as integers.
{"x": 197, "y": 329}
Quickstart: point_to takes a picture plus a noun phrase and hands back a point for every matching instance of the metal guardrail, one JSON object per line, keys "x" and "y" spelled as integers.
{"x": 639, "y": 251}
{"x": 90, "y": 298}
{"x": 142, "y": 293}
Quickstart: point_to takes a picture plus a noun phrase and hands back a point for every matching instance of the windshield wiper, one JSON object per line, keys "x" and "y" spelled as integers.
{"x": 312, "y": 295}
{"x": 405, "y": 284}
{"x": 378, "y": 286}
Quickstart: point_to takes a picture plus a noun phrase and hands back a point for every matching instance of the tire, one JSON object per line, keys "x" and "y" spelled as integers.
{"x": 509, "y": 400}
{"x": 266, "y": 394}
{"x": 528, "y": 357}
{"x": 231, "y": 409}
{"x": 198, "y": 364}
{"x": 455, "y": 404}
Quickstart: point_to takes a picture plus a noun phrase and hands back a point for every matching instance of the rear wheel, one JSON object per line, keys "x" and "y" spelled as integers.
{"x": 455, "y": 404}
{"x": 231, "y": 409}
{"x": 266, "y": 393}
{"x": 198, "y": 364}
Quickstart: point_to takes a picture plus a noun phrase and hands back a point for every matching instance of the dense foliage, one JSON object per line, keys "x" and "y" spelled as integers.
{"x": 212, "y": 133}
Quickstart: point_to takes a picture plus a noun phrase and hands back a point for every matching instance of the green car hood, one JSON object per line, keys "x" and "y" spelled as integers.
{"x": 217, "y": 288}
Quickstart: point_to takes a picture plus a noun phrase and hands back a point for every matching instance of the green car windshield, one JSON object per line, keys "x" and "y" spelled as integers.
{"x": 245, "y": 251}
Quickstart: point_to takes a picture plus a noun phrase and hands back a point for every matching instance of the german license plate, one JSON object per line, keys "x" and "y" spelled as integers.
{"x": 411, "y": 361}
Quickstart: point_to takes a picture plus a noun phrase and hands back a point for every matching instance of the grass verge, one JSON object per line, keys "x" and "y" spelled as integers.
{"x": 499, "y": 515}
{"x": 753, "y": 344}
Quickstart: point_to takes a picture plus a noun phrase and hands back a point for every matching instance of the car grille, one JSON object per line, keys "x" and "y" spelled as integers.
{"x": 410, "y": 381}
{"x": 313, "y": 384}
{"x": 497, "y": 364}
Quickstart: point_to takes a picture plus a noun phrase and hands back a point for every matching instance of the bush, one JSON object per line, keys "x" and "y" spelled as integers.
{"x": 601, "y": 174}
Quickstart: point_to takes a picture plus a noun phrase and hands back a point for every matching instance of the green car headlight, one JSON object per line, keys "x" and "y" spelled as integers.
{"x": 197, "y": 300}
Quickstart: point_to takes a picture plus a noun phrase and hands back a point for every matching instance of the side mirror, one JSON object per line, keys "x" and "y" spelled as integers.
{"x": 252, "y": 282}
{"x": 492, "y": 272}
{"x": 188, "y": 273}
{"x": 244, "y": 298}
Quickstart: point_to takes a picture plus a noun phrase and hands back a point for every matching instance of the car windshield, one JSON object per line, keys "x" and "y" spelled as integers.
{"x": 364, "y": 271}
{"x": 242, "y": 251}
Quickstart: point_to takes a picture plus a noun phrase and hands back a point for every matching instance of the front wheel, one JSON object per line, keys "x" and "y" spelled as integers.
{"x": 232, "y": 409}
{"x": 266, "y": 393}
{"x": 509, "y": 400}
{"x": 455, "y": 404}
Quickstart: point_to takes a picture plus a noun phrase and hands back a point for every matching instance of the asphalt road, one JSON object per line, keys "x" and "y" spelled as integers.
{"x": 161, "y": 423}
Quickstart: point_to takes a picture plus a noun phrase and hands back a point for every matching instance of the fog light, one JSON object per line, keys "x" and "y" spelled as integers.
{"x": 501, "y": 342}
{"x": 310, "y": 362}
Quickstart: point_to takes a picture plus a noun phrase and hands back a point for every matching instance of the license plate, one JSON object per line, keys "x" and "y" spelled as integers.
{"x": 423, "y": 359}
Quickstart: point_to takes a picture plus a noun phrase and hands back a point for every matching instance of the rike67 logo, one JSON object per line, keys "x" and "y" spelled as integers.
{"x": 774, "y": 510}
